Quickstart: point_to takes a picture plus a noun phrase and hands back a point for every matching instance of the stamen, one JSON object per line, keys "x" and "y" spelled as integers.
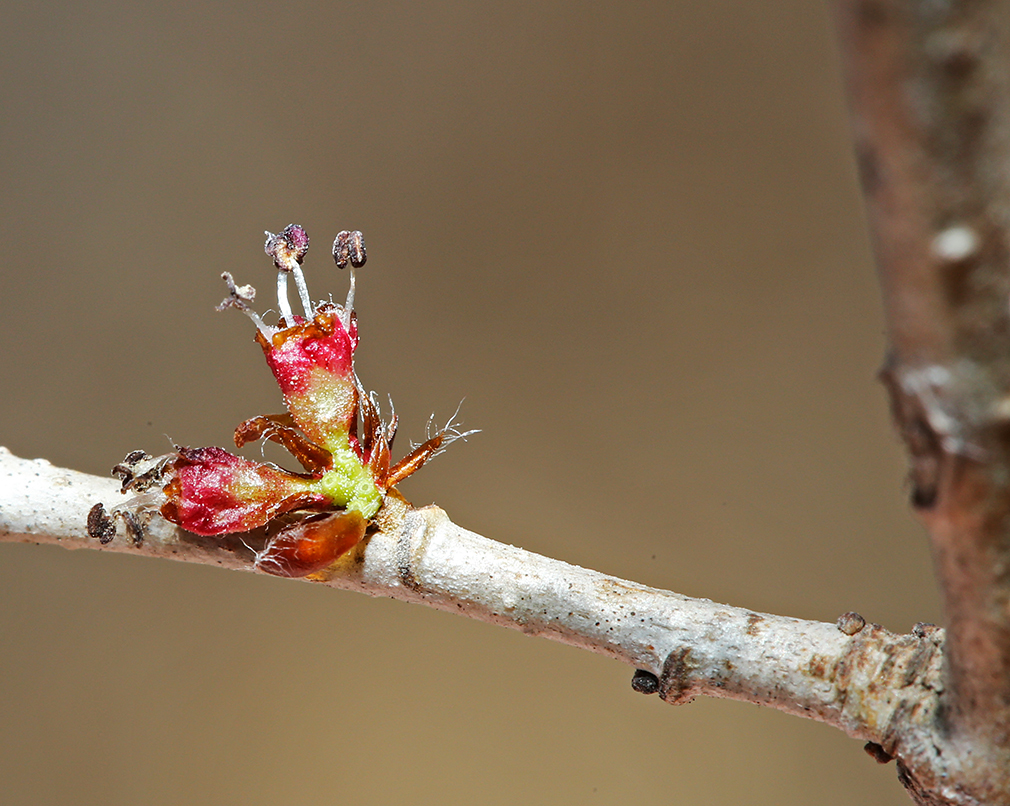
{"x": 239, "y": 297}
{"x": 288, "y": 249}
{"x": 287, "y": 317}
{"x": 349, "y": 247}
{"x": 303, "y": 292}
{"x": 349, "y": 303}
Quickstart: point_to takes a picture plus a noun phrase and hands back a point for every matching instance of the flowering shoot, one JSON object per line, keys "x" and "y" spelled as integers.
{"x": 332, "y": 427}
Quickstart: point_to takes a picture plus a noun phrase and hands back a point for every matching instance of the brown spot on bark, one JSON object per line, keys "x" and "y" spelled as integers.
{"x": 407, "y": 557}
{"x": 753, "y": 620}
{"x": 675, "y": 681}
{"x": 918, "y": 662}
{"x": 821, "y": 667}
{"x": 897, "y": 724}
{"x": 857, "y": 658}
{"x": 922, "y": 629}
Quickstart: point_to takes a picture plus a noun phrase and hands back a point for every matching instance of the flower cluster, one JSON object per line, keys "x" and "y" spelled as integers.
{"x": 332, "y": 427}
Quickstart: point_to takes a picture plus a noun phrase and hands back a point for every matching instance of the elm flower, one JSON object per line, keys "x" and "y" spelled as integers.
{"x": 332, "y": 427}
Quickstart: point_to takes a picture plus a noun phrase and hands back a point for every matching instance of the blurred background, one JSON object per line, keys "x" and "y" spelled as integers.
{"x": 627, "y": 236}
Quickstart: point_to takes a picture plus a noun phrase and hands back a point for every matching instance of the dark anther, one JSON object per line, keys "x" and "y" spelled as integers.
{"x": 100, "y": 525}
{"x": 645, "y": 682}
{"x": 126, "y": 471}
{"x": 288, "y": 247}
{"x": 133, "y": 527}
{"x": 850, "y": 623}
{"x": 358, "y": 255}
{"x": 349, "y": 247}
{"x": 878, "y": 753}
{"x": 140, "y": 471}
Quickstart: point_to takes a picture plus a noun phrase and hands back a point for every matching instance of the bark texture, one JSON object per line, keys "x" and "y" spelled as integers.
{"x": 874, "y": 685}
{"x": 930, "y": 90}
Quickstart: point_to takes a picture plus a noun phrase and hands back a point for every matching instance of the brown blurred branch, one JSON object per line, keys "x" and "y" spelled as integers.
{"x": 929, "y": 88}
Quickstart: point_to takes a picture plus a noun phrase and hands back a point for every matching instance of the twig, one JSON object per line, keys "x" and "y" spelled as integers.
{"x": 870, "y": 683}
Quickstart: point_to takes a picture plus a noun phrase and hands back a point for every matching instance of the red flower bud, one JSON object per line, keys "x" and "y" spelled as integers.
{"x": 313, "y": 363}
{"x": 213, "y": 492}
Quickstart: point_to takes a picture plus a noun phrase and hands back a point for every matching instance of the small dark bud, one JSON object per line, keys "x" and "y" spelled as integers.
{"x": 850, "y": 623}
{"x": 645, "y": 682}
{"x": 877, "y": 753}
{"x": 349, "y": 247}
{"x": 287, "y": 248}
{"x": 922, "y": 629}
{"x": 100, "y": 525}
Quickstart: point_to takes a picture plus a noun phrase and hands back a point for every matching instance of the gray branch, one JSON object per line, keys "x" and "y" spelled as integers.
{"x": 874, "y": 685}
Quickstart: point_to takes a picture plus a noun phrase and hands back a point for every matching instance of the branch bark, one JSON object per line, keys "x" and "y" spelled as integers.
{"x": 874, "y": 685}
{"x": 931, "y": 107}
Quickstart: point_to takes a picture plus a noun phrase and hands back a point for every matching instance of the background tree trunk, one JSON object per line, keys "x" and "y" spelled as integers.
{"x": 931, "y": 95}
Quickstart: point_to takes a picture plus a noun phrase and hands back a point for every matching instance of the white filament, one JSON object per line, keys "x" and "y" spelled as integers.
{"x": 349, "y": 304}
{"x": 303, "y": 291}
{"x": 287, "y": 317}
